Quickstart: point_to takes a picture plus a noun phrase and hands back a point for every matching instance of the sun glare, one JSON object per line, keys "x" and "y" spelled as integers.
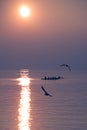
{"x": 25, "y": 11}
{"x": 25, "y": 81}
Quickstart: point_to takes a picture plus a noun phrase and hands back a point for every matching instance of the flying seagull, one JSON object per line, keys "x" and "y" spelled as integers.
{"x": 46, "y": 93}
{"x": 66, "y": 65}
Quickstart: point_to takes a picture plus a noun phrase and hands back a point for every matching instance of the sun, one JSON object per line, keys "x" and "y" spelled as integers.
{"x": 25, "y": 11}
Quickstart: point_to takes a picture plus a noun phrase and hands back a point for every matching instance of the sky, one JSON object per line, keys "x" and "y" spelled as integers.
{"x": 54, "y": 33}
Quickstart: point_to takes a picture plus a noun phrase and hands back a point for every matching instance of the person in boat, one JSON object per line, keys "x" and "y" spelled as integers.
{"x": 52, "y": 78}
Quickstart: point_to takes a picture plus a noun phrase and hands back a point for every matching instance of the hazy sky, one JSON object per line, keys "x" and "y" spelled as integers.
{"x": 55, "y": 33}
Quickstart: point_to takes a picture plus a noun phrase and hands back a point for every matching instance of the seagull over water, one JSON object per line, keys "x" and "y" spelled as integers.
{"x": 66, "y": 65}
{"x": 45, "y": 92}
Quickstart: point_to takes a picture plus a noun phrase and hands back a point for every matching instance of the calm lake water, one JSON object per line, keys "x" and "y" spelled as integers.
{"x": 23, "y": 105}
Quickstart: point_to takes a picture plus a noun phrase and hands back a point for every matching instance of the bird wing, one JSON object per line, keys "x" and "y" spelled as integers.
{"x": 66, "y": 65}
{"x": 63, "y": 65}
{"x": 43, "y": 89}
{"x": 46, "y": 93}
{"x": 69, "y": 68}
{"x": 49, "y": 95}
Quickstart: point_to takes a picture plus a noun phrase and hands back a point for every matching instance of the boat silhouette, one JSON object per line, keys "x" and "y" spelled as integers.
{"x": 52, "y": 78}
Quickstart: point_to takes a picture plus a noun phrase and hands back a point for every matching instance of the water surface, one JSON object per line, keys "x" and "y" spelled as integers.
{"x": 23, "y": 105}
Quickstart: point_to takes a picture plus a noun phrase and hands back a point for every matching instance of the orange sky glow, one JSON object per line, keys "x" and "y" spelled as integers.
{"x": 57, "y": 25}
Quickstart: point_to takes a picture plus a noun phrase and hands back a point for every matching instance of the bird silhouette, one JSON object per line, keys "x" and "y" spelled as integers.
{"x": 45, "y": 92}
{"x": 66, "y": 65}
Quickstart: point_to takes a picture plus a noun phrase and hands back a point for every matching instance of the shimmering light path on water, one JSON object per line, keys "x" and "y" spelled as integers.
{"x": 24, "y": 105}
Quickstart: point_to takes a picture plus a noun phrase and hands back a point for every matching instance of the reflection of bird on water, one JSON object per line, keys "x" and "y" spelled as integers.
{"x": 66, "y": 65}
{"x": 46, "y": 93}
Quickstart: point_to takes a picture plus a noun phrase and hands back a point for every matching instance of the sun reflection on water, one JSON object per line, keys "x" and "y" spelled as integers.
{"x": 24, "y": 104}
